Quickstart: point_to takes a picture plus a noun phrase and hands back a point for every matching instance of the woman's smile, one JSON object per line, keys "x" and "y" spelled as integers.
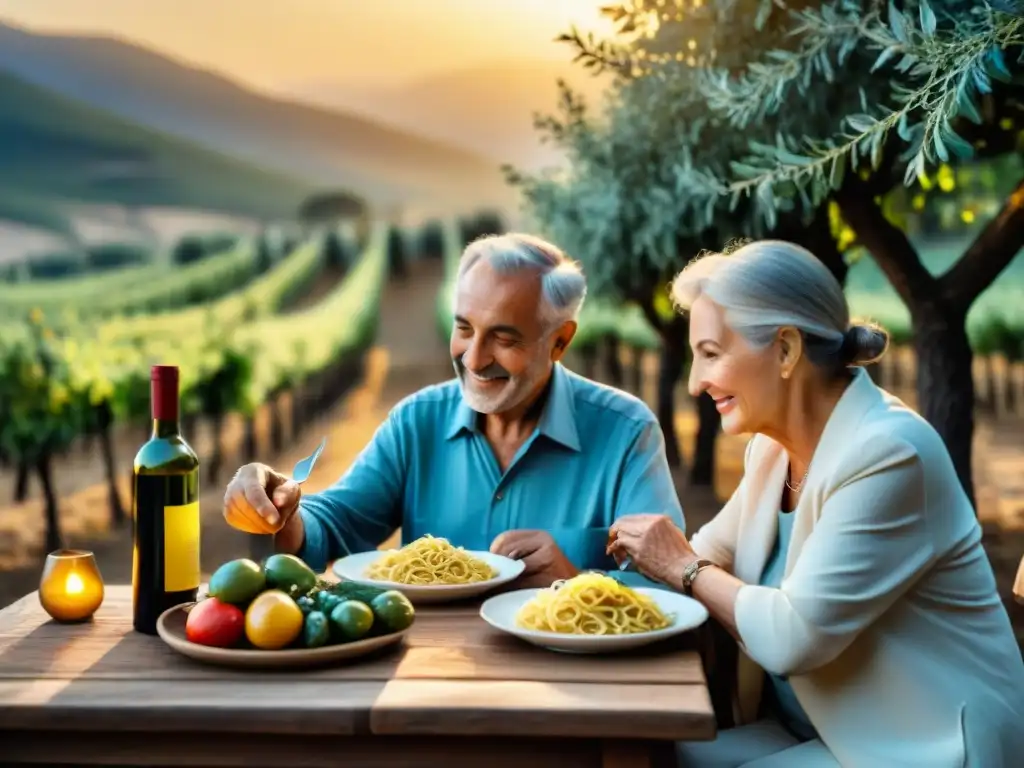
{"x": 724, "y": 403}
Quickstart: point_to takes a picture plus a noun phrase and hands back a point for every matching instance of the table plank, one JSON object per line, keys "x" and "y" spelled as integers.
{"x": 256, "y": 750}
{"x": 476, "y": 707}
{"x": 258, "y": 704}
{"x": 517, "y": 661}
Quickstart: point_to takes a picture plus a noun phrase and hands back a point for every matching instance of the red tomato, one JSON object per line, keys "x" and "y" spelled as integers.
{"x": 211, "y": 622}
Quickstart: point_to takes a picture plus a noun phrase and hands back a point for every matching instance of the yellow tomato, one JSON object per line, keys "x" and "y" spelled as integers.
{"x": 273, "y": 620}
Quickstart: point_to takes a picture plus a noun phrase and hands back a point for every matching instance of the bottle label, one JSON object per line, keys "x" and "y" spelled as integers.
{"x": 181, "y": 547}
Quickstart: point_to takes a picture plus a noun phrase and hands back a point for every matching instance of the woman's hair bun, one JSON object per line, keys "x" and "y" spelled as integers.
{"x": 864, "y": 343}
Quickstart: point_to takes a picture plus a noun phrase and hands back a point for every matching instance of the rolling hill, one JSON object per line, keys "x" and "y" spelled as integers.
{"x": 329, "y": 148}
{"x": 54, "y": 148}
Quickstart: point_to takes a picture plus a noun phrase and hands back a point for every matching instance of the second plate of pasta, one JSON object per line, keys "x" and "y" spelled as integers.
{"x": 593, "y": 613}
{"x": 430, "y": 570}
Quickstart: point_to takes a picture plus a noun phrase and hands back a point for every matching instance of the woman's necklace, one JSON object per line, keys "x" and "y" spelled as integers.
{"x": 800, "y": 484}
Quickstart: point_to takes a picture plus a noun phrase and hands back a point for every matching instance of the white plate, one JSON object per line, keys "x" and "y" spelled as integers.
{"x": 353, "y": 568}
{"x": 500, "y": 612}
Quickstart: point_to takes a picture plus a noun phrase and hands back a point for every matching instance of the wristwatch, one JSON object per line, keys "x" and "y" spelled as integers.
{"x": 690, "y": 573}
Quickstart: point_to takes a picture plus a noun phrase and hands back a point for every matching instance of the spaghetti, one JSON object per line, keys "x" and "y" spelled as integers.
{"x": 430, "y": 561}
{"x": 591, "y": 604}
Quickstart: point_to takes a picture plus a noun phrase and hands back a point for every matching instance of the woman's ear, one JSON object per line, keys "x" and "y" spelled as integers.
{"x": 791, "y": 349}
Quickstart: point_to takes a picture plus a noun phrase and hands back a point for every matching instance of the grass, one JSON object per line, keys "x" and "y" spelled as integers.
{"x": 55, "y": 150}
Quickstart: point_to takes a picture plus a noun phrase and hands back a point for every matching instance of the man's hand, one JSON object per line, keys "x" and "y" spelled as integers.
{"x": 544, "y": 561}
{"x": 260, "y": 500}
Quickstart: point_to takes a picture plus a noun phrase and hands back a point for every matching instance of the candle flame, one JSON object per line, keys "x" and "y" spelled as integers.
{"x": 74, "y": 584}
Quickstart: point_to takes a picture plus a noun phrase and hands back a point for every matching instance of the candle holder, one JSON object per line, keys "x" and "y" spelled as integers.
{"x": 71, "y": 587}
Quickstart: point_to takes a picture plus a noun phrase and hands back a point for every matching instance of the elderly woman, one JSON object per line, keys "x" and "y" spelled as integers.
{"x": 848, "y": 563}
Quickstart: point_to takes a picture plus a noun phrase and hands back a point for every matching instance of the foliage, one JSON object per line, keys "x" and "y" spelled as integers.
{"x": 816, "y": 90}
{"x": 453, "y": 242}
{"x": 480, "y": 224}
{"x": 55, "y": 266}
{"x": 194, "y": 247}
{"x": 750, "y": 117}
{"x": 743, "y": 117}
{"x": 110, "y": 256}
{"x": 336, "y": 252}
{"x": 149, "y": 288}
{"x": 40, "y": 397}
{"x": 287, "y": 348}
{"x": 331, "y": 207}
{"x": 232, "y": 356}
{"x": 264, "y": 295}
{"x": 398, "y": 252}
{"x": 430, "y": 239}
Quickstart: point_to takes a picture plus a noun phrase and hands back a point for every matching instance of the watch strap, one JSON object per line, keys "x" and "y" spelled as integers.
{"x": 690, "y": 573}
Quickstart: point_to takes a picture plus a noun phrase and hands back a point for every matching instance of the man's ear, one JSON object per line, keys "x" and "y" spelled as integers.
{"x": 562, "y": 340}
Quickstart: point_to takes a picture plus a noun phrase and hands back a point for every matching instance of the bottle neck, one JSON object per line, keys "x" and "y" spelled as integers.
{"x": 164, "y": 428}
{"x": 164, "y": 399}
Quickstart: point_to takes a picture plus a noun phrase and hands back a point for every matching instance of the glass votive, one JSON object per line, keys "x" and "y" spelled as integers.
{"x": 71, "y": 587}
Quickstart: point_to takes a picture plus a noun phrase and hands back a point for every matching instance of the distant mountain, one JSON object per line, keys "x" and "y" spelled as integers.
{"x": 329, "y": 148}
{"x": 487, "y": 109}
{"x": 55, "y": 149}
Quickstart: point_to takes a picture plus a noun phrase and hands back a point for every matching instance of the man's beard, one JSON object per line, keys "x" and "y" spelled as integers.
{"x": 512, "y": 393}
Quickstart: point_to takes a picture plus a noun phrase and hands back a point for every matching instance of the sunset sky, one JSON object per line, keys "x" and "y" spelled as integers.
{"x": 272, "y": 43}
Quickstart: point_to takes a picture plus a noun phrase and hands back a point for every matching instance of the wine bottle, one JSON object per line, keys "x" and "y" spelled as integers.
{"x": 165, "y": 510}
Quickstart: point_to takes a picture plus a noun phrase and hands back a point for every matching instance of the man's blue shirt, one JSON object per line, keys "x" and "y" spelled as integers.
{"x": 597, "y": 454}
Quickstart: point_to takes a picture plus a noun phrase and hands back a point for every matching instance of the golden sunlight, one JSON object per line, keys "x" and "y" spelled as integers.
{"x": 585, "y": 15}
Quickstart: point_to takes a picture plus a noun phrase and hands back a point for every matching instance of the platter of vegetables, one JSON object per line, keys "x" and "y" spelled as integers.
{"x": 280, "y": 614}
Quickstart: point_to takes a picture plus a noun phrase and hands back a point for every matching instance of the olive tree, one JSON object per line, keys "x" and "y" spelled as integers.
{"x": 783, "y": 109}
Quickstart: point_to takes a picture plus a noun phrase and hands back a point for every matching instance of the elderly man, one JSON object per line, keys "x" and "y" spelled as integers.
{"x": 516, "y": 455}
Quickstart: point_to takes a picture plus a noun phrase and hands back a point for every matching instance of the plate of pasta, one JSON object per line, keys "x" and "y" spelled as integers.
{"x": 430, "y": 570}
{"x": 593, "y": 613}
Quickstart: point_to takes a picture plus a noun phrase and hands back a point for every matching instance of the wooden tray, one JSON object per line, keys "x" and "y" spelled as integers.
{"x": 171, "y": 628}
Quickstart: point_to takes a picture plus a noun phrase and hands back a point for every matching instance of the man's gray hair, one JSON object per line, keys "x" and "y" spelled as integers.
{"x": 768, "y": 284}
{"x": 563, "y": 284}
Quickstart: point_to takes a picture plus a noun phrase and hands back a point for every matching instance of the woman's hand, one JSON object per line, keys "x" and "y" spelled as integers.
{"x": 657, "y": 546}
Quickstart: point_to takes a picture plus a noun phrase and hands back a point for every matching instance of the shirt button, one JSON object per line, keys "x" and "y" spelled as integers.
{"x": 499, "y": 496}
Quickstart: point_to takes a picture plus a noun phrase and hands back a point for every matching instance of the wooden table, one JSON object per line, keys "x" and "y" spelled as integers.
{"x": 455, "y": 693}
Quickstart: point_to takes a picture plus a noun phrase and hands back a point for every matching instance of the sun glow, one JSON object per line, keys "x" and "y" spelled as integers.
{"x": 585, "y": 15}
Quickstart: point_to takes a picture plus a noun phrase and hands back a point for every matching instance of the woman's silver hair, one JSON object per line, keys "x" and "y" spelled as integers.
{"x": 765, "y": 285}
{"x": 563, "y": 284}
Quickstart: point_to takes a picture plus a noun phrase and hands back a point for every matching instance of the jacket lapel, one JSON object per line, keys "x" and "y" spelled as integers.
{"x": 762, "y": 526}
{"x": 859, "y": 398}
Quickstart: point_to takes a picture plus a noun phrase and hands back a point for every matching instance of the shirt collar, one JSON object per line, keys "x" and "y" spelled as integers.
{"x": 557, "y": 421}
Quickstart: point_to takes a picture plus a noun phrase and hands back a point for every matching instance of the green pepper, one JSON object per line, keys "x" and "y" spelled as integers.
{"x": 315, "y": 630}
